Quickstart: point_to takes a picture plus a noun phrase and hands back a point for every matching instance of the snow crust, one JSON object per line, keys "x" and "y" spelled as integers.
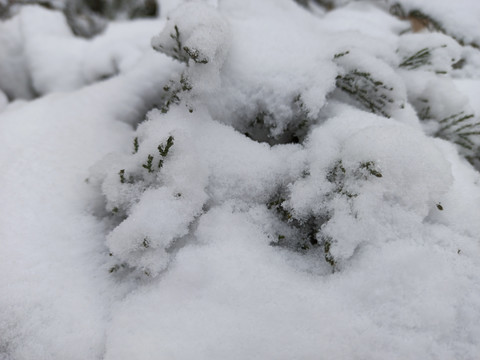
{"x": 232, "y": 195}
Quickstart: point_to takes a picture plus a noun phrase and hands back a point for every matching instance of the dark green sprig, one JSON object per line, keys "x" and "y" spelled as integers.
{"x": 164, "y": 149}
{"x": 454, "y": 120}
{"x": 420, "y": 58}
{"x": 460, "y": 130}
{"x": 327, "y": 244}
{"x": 185, "y": 82}
{"x": 135, "y": 145}
{"x": 277, "y": 205}
{"x": 371, "y": 93}
{"x": 424, "y": 113}
{"x": 146, "y": 243}
{"x": 148, "y": 164}
{"x": 339, "y": 55}
{"x": 174, "y": 90}
{"x": 178, "y": 48}
{"x": 121, "y": 173}
{"x": 370, "y": 167}
{"x": 195, "y": 55}
{"x": 337, "y": 175}
{"x": 114, "y": 268}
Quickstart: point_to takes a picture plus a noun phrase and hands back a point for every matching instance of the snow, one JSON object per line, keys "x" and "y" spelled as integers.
{"x": 35, "y": 36}
{"x": 236, "y": 297}
{"x": 14, "y": 81}
{"x": 240, "y": 199}
{"x": 470, "y": 88}
{"x": 3, "y": 100}
{"x": 55, "y": 299}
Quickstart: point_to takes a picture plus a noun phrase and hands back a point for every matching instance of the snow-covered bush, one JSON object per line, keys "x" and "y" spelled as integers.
{"x": 335, "y": 94}
{"x": 270, "y": 179}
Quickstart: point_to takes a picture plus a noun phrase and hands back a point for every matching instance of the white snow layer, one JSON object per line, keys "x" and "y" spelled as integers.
{"x": 163, "y": 241}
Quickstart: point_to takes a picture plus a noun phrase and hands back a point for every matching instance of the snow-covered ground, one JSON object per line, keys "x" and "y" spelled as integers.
{"x": 241, "y": 180}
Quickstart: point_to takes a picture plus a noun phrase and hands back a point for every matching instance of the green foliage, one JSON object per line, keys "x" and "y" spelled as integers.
{"x": 121, "y": 173}
{"x": 328, "y": 255}
{"x": 276, "y": 204}
{"x": 306, "y": 233}
{"x": 459, "y": 64}
{"x": 456, "y": 124}
{"x": 135, "y": 145}
{"x": 337, "y": 176}
{"x": 303, "y": 233}
{"x": 305, "y": 230}
{"x": 369, "y": 166}
{"x": 117, "y": 267}
{"x": 424, "y": 111}
{"x": 174, "y": 91}
{"x": 301, "y": 112}
{"x": 195, "y": 55}
{"x": 164, "y": 149}
{"x": 137, "y": 181}
{"x": 114, "y": 268}
{"x": 371, "y": 93}
{"x": 326, "y": 4}
{"x": 463, "y": 130}
{"x": 339, "y": 55}
{"x": 178, "y": 52}
{"x": 264, "y": 124}
{"x": 460, "y": 128}
{"x": 420, "y": 58}
{"x": 457, "y": 129}
{"x": 146, "y": 243}
{"x": 181, "y": 52}
{"x": 260, "y": 127}
{"x": 149, "y": 164}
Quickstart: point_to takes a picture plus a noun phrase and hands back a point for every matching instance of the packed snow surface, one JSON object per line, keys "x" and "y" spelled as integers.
{"x": 241, "y": 180}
